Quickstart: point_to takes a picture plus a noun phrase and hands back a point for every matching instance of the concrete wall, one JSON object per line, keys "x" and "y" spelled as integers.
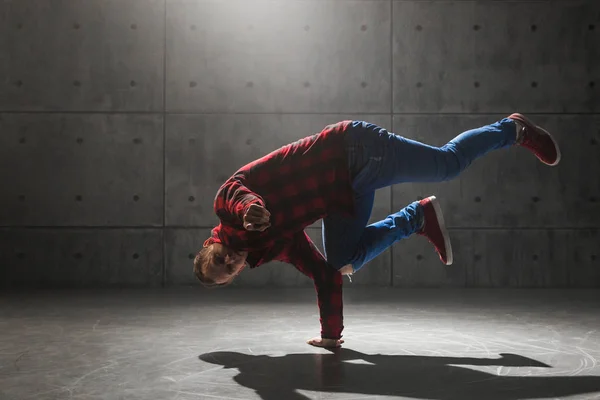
{"x": 120, "y": 119}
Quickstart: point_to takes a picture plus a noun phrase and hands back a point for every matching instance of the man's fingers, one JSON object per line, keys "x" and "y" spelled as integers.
{"x": 325, "y": 342}
{"x": 256, "y": 220}
{"x": 256, "y": 227}
{"x": 262, "y": 227}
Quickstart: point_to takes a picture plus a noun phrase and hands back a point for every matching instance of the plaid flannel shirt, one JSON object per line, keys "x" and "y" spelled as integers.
{"x": 299, "y": 184}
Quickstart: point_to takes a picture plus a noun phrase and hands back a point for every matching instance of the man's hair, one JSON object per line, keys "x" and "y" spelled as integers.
{"x": 201, "y": 264}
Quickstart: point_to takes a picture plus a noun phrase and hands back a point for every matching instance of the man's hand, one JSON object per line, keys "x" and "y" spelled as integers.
{"x": 318, "y": 342}
{"x": 257, "y": 218}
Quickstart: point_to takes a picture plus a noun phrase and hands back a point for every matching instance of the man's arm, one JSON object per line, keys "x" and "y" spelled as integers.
{"x": 233, "y": 200}
{"x": 307, "y": 258}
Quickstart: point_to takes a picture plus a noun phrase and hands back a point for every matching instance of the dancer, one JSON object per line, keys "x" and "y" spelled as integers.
{"x": 333, "y": 175}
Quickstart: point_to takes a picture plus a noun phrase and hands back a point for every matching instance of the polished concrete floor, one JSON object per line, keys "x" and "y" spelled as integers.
{"x": 190, "y": 343}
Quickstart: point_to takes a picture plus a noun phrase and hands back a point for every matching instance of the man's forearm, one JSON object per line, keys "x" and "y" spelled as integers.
{"x": 307, "y": 258}
{"x": 329, "y": 295}
{"x": 233, "y": 200}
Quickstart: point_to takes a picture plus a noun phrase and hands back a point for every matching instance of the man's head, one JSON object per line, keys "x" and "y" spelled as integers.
{"x": 217, "y": 264}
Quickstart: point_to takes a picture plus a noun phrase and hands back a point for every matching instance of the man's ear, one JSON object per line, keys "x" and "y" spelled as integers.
{"x": 207, "y": 243}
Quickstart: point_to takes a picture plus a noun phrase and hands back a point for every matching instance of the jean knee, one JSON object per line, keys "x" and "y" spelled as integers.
{"x": 451, "y": 164}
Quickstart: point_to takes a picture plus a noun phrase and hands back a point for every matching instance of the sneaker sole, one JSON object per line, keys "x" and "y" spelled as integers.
{"x": 440, "y": 219}
{"x": 558, "y": 155}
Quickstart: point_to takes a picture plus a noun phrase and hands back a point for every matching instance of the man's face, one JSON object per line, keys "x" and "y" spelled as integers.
{"x": 226, "y": 263}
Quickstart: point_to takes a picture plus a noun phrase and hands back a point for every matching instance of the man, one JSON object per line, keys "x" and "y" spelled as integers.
{"x": 266, "y": 205}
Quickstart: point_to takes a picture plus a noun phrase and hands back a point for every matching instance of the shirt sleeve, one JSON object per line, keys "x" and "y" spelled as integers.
{"x": 232, "y": 201}
{"x": 306, "y": 257}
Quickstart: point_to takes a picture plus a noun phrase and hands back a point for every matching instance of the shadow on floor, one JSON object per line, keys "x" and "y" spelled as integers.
{"x": 347, "y": 371}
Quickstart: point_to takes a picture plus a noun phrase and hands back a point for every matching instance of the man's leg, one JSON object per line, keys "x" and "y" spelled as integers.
{"x": 378, "y": 158}
{"x": 384, "y": 159}
{"x": 342, "y": 234}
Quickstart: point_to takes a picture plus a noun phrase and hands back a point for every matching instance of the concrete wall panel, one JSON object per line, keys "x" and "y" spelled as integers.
{"x": 93, "y": 55}
{"x": 496, "y": 56}
{"x": 204, "y": 150}
{"x": 81, "y": 257}
{"x": 183, "y": 244}
{"x": 72, "y": 169}
{"x": 502, "y": 258}
{"x": 266, "y": 56}
{"x": 510, "y": 187}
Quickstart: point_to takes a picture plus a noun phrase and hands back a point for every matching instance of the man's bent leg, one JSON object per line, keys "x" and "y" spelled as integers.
{"x": 377, "y": 237}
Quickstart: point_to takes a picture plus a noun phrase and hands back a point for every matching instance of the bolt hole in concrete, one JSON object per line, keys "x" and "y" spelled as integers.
{"x": 79, "y": 140}
{"x": 78, "y": 198}
{"x": 136, "y": 197}
{"x": 193, "y": 84}
{"x": 191, "y": 256}
{"x": 476, "y": 84}
{"x": 535, "y": 199}
{"x": 21, "y": 198}
{"x": 477, "y": 199}
{"x": 533, "y": 28}
{"x": 23, "y": 140}
{"x": 191, "y": 199}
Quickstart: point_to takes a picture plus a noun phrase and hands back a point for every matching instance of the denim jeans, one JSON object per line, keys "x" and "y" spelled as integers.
{"x": 378, "y": 158}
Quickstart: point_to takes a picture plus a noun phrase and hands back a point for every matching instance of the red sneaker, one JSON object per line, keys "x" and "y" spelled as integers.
{"x": 435, "y": 230}
{"x": 538, "y": 141}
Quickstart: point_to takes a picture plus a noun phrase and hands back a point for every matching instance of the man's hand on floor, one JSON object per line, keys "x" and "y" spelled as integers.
{"x": 318, "y": 342}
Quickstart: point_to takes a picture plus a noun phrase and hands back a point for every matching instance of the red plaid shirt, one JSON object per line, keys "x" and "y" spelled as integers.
{"x": 299, "y": 184}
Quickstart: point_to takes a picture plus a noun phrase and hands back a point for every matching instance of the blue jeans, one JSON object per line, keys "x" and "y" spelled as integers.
{"x": 378, "y": 158}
